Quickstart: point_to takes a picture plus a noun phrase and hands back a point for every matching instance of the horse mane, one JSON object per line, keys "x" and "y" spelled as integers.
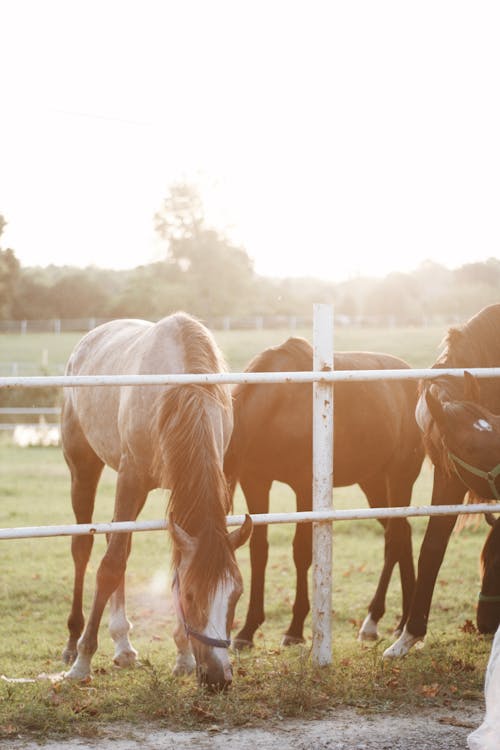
{"x": 188, "y": 460}
{"x": 476, "y": 342}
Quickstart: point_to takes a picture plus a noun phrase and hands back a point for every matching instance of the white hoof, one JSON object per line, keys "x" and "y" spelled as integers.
{"x": 125, "y": 659}
{"x": 185, "y": 664}
{"x": 368, "y": 630}
{"x": 78, "y": 673}
{"x": 400, "y": 648}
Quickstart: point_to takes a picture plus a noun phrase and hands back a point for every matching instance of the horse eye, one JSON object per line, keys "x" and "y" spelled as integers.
{"x": 189, "y": 597}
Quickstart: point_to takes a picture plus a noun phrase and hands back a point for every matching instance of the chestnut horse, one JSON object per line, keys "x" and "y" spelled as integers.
{"x": 154, "y": 436}
{"x": 460, "y": 440}
{"x": 377, "y": 445}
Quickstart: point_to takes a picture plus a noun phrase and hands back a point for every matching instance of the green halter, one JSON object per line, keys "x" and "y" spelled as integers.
{"x": 489, "y": 476}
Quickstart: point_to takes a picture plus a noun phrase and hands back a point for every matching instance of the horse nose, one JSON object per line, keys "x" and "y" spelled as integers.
{"x": 215, "y": 676}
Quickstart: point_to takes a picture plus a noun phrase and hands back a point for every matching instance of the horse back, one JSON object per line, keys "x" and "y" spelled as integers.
{"x": 120, "y": 421}
{"x": 374, "y": 421}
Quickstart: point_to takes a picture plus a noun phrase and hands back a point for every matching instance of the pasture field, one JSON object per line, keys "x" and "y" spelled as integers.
{"x": 270, "y": 682}
{"x": 49, "y": 350}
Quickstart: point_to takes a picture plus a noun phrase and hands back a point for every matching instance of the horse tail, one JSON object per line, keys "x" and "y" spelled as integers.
{"x": 189, "y": 460}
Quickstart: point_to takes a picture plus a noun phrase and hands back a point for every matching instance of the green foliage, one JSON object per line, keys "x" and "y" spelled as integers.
{"x": 204, "y": 273}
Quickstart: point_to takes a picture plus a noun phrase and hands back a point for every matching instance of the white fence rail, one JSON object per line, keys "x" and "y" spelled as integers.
{"x": 322, "y": 516}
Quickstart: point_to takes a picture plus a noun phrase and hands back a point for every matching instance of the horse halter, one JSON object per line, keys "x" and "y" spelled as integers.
{"x": 190, "y": 633}
{"x": 489, "y": 476}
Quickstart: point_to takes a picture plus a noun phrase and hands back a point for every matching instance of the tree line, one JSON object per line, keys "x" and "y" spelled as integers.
{"x": 204, "y": 273}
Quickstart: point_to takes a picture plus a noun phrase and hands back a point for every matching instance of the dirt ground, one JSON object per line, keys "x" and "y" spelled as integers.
{"x": 346, "y": 729}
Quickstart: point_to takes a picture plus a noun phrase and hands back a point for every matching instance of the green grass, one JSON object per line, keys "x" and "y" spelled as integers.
{"x": 270, "y": 682}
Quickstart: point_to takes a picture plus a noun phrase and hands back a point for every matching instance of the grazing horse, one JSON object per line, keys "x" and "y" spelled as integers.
{"x": 460, "y": 440}
{"x": 377, "y": 445}
{"x": 172, "y": 437}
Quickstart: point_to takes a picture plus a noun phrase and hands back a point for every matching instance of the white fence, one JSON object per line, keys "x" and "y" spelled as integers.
{"x": 323, "y": 378}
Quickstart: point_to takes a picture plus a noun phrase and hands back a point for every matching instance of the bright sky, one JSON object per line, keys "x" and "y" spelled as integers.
{"x": 329, "y": 138}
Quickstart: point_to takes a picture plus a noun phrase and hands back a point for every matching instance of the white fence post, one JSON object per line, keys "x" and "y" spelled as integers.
{"x": 322, "y": 487}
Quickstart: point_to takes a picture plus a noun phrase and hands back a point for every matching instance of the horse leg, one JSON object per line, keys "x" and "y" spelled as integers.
{"x": 86, "y": 468}
{"x": 302, "y": 557}
{"x": 185, "y": 662}
{"x": 256, "y": 491}
{"x": 376, "y": 492}
{"x": 446, "y": 490}
{"x": 130, "y": 497}
{"x": 398, "y": 535}
{"x": 120, "y": 627}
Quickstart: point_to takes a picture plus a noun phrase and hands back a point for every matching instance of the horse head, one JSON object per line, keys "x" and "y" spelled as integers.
{"x": 488, "y": 608}
{"x": 464, "y": 434}
{"x": 206, "y": 602}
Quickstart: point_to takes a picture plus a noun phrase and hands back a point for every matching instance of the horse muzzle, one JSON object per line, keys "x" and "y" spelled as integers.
{"x": 488, "y": 614}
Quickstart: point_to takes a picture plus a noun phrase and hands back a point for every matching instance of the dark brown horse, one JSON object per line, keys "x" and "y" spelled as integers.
{"x": 377, "y": 445}
{"x": 461, "y": 440}
{"x": 467, "y": 437}
{"x": 154, "y": 436}
{"x": 488, "y": 608}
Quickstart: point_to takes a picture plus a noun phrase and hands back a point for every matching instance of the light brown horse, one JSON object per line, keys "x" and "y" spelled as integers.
{"x": 154, "y": 436}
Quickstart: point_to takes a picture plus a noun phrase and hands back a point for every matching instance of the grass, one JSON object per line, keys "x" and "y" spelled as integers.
{"x": 270, "y": 682}
{"x": 49, "y": 351}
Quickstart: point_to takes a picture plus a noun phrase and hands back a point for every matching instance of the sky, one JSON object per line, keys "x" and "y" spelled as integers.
{"x": 329, "y": 139}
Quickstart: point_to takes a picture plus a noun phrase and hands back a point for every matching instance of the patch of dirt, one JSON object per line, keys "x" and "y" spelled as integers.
{"x": 345, "y": 729}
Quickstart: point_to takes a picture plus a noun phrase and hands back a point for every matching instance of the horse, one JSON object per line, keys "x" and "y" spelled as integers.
{"x": 457, "y": 423}
{"x": 470, "y": 440}
{"x": 172, "y": 437}
{"x": 377, "y": 445}
{"x": 488, "y": 607}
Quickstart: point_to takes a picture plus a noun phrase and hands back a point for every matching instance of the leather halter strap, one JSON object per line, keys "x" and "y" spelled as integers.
{"x": 495, "y": 598}
{"x": 489, "y": 476}
{"x": 201, "y": 637}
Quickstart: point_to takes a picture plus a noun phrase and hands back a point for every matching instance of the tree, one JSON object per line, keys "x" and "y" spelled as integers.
{"x": 9, "y": 276}
{"x": 217, "y": 275}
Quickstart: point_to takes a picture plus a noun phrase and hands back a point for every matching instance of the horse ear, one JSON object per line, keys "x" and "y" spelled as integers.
{"x": 472, "y": 390}
{"x": 186, "y": 543}
{"x": 490, "y": 519}
{"x": 238, "y": 537}
{"x": 435, "y": 407}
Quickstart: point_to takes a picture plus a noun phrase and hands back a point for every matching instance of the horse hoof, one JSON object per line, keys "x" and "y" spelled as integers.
{"x": 125, "y": 659}
{"x": 183, "y": 666}
{"x": 76, "y": 675}
{"x": 69, "y": 655}
{"x": 291, "y": 640}
{"x": 368, "y": 630}
{"x": 241, "y": 644}
{"x": 401, "y": 647}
